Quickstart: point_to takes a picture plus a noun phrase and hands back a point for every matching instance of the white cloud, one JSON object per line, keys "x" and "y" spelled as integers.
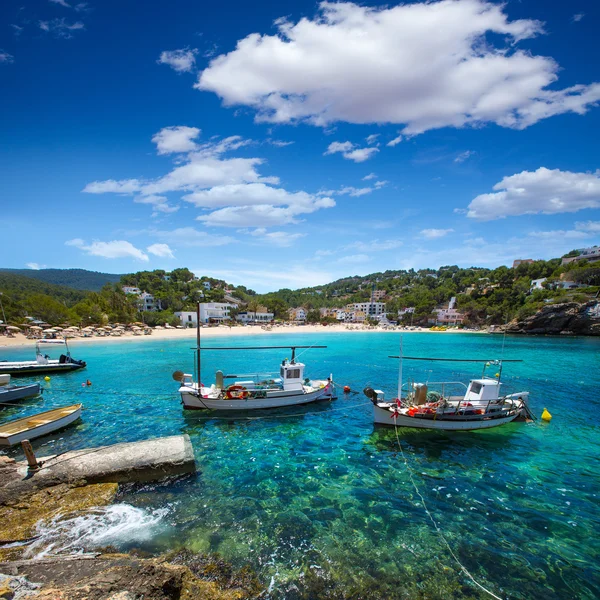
{"x": 559, "y": 234}
{"x": 576, "y": 18}
{"x": 5, "y": 57}
{"x": 35, "y": 266}
{"x": 114, "y": 249}
{"x": 380, "y": 184}
{"x": 124, "y": 186}
{"x": 232, "y": 185}
{"x": 282, "y": 239}
{"x": 361, "y": 154}
{"x": 369, "y": 176}
{"x": 176, "y": 139}
{"x": 279, "y": 143}
{"x": 463, "y": 156}
{"x": 182, "y": 61}
{"x": 262, "y": 215}
{"x": 160, "y": 204}
{"x": 348, "y": 190}
{"x": 353, "y": 259}
{"x": 423, "y": 65}
{"x": 350, "y": 152}
{"x": 61, "y": 27}
{"x": 591, "y": 226}
{"x": 161, "y": 250}
{"x": 395, "y": 141}
{"x": 61, "y": 2}
{"x": 432, "y": 234}
{"x": 338, "y": 147}
{"x": 189, "y": 237}
{"x": 542, "y": 191}
{"x": 375, "y": 245}
{"x": 371, "y": 139}
{"x": 262, "y": 277}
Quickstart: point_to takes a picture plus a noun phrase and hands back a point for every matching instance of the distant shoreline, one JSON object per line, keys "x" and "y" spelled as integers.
{"x": 20, "y": 341}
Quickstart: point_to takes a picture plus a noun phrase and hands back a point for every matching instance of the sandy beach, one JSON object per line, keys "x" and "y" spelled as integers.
{"x": 19, "y": 340}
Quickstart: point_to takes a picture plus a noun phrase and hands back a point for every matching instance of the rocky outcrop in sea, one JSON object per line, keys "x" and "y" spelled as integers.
{"x": 568, "y": 318}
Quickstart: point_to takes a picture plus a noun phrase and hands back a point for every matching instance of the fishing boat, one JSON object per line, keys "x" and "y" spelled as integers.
{"x": 436, "y": 406}
{"x": 43, "y": 363}
{"x": 288, "y": 387}
{"x": 35, "y": 426}
{"x": 13, "y": 393}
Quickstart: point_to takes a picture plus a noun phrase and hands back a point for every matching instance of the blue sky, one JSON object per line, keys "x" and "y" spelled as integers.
{"x": 289, "y": 146}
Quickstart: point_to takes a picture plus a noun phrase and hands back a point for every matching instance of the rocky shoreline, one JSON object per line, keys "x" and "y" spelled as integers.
{"x": 568, "y": 318}
{"x": 180, "y": 575}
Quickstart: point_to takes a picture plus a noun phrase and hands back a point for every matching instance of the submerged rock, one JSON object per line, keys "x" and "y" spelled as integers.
{"x": 124, "y": 577}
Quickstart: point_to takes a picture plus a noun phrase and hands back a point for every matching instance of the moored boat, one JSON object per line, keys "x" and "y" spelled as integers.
{"x": 251, "y": 392}
{"x": 43, "y": 363}
{"x": 13, "y": 393}
{"x": 34, "y": 426}
{"x": 481, "y": 406}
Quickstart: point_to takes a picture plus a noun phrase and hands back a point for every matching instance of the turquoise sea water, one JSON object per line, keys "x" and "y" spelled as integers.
{"x": 319, "y": 501}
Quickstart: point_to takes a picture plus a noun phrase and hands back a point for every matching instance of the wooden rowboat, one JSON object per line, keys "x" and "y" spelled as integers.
{"x": 35, "y": 426}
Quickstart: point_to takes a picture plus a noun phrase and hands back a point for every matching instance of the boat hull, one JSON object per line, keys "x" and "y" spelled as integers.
{"x": 190, "y": 400}
{"x": 26, "y": 428}
{"x": 384, "y": 416}
{"x": 33, "y": 368}
{"x": 19, "y": 392}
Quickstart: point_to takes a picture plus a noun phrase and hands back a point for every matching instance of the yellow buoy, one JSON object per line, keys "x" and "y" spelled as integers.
{"x": 46, "y": 378}
{"x": 546, "y": 415}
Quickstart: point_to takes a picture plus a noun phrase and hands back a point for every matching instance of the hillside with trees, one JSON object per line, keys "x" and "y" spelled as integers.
{"x": 79, "y": 279}
{"x": 484, "y": 296}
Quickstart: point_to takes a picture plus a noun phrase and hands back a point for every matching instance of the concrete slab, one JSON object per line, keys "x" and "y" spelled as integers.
{"x": 149, "y": 460}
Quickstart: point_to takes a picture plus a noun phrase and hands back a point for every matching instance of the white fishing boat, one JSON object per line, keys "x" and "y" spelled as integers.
{"x": 436, "y": 406}
{"x": 13, "y": 393}
{"x": 43, "y": 363}
{"x": 35, "y": 426}
{"x": 288, "y": 387}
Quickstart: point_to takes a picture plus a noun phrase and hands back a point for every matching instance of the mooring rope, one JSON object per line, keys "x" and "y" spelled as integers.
{"x": 437, "y": 528}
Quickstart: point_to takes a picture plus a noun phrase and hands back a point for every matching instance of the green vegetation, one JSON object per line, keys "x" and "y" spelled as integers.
{"x": 484, "y": 296}
{"x": 78, "y": 279}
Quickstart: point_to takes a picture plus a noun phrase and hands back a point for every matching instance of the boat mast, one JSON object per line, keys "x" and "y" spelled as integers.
{"x": 198, "y": 343}
{"x": 400, "y": 372}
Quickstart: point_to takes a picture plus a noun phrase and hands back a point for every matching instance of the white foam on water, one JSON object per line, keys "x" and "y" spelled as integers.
{"x": 116, "y": 524}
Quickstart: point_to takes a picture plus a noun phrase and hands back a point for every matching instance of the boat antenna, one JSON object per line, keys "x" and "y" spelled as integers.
{"x": 400, "y": 372}
{"x": 198, "y": 343}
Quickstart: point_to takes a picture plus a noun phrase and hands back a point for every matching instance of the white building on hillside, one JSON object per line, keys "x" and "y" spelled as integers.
{"x": 257, "y": 317}
{"x": 371, "y": 309}
{"x": 297, "y": 314}
{"x": 127, "y": 289}
{"x": 210, "y": 312}
{"x": 537, "y": 284}
{"x": 447, "y": 316}
{"x": 148, "y": 302}
{"x": 591, "y": 254}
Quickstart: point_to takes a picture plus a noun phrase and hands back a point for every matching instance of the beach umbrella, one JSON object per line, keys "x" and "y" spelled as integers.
{"x": 35, "y": 328}
{"x": 13, "y": 328}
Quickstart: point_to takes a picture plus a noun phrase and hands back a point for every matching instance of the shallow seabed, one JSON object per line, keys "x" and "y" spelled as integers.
{"x": 320, "y": 502}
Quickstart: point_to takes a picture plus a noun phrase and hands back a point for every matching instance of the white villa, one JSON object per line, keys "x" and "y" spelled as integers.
{"x": 210, "y": 312}
{"x": 447, "y": 316}
{"x": 258, "y": 317}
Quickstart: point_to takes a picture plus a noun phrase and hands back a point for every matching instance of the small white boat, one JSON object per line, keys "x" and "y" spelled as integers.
{"x": 482, "y": 406}
{"x": 252, "y": 392}
{"x": 35, "y": 426}
{"x": 43, "y": 363}
{"x": 13, "y": 393}
{"x": 289, "y": 389}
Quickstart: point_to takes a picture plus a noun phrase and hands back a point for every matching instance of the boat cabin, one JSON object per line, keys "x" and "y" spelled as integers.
{"x": 483, "y": 390}
{"x": 292, "y": 375}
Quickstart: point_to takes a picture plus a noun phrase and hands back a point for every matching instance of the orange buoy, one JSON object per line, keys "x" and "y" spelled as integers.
{"x": 88, "y": 382}
{"x": 346, "y": 389}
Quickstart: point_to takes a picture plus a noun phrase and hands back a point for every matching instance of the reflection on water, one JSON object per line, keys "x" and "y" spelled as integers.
{"x": 319, "y": 501}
